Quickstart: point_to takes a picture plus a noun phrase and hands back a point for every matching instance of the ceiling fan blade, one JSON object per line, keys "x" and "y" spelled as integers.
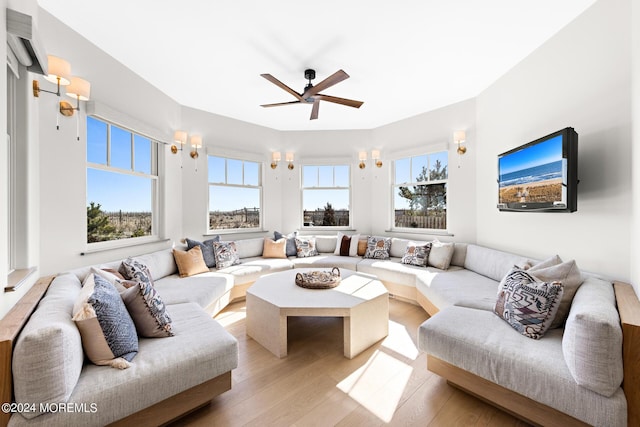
{"x": 342, "y": 101}
{"x": 282, "y": 85}
{"x": 334, "y": 78}
{"x": 314, "y": 110}
{"x": 281, "y": 103}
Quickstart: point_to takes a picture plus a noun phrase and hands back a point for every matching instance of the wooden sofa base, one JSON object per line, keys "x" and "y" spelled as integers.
{"x": 509, "y": 401}
{"x": 179, "y": 405}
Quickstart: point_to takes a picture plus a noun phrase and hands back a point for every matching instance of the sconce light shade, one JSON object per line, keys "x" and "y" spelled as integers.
{"x": 58, "y": 69}
{"x": 289, "y": 159}
{"x": 276, "y": 156}
{"x": 459, "y": 137}
{"x": 375, "y": 155}
{"x": 79, "y": 88}
{"x": 196, "y": 142}
{"x": 362, "y": 156}
{"x": 180, "y": 138}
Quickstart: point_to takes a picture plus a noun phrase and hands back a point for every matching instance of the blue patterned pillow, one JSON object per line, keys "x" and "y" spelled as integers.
{"x": 226, "y": 254}
{"x": 416, "y": 254}
{"x": 378, "y": 247}
{"x": 108, "y": 333}
{"x": 306, "y": 247}
{"x": 291, "y": 241}
{"x": 132, "y": 269}
{"x": 527, "y": 304}
{"x": 207, "y": 249}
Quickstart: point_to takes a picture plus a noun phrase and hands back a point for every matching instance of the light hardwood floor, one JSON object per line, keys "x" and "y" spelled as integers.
{"x": 387, "y": 384}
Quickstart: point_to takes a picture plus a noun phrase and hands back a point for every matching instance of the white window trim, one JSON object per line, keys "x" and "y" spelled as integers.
{"x": 432, "y": 149}
{"x": 243, "y": 158}
{"x": 155, "y": 236}
{"x": 326, "y": 162}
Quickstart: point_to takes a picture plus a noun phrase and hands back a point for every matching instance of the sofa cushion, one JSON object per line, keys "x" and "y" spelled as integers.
{"x": 190, "y": 262}
{"x": 527, "y": 304}
{"x": 592, "y": 341}
{"x": 201, "y": 350}
{"x": 459, "y": 254}
{"x": 204, "y": 289}
{"x": 274, "y": 249}
{"x": 160, "y": 263}
{"x": 291, "y": 241}
{"x": 327, "y": 260}
{"x": 306, "y": 247}
{"x": 457, "y": 287}
{"x": 440, "y": 255}
{"x": 249, "y": 248}
{"x": 398, "y": 247}
{"x": 378, "y": 247}
{"x": 108, "y": 333}
{"x": 490, "y": 262}
{"x": 479, "y": 342}
{"x": 391, "y": 270}
{"x": 48, "y": 357}
{"x": 226, "y": 254}
{"x": 326, "y": 244}
{"x": 571, "y": 278}
{"x": 416, "y": 254}
{"x": 252, "y": 268}
{"x": 207, "y": 249}
{"x": 146, "y": 308}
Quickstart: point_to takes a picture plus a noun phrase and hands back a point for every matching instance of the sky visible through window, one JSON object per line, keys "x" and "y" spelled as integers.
{"x": 117, "y": 191}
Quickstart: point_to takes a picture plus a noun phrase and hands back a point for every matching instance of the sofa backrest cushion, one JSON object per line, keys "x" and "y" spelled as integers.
{"x": 48, "y": 357}
{"x": 399, "y": 246}
{"x": 326, "y": 244}
{"x": 592, "y": 340}
{"x": 459, "y": 254}
{"x": 490, "y": 262}
{"x": 160, "y": 263}
{"x": 249, "y": 248}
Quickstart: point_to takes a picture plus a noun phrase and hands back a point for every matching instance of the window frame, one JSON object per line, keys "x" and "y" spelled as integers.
{"x": 259, "y": 187}
{"x": 395, "y": 188}
{"x": 320, "y": 163}
{"x": 154, "y": 177}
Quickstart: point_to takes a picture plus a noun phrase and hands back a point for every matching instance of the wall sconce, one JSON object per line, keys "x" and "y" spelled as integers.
{"x": 276, "y": 156}
{"x": 362, "y": 156}
{"x": 81, "y": 90}
{"x": 196, "y": 142}
{"x": 459, "y": 137}
{"x": 289, "y": 159}
{"x": 179, "y": 138}
{"x": 375, "y": 156}
{"x": 59, "y": 73}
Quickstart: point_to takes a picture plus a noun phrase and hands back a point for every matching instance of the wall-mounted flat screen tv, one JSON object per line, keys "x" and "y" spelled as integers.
{"x": 541, "y": 175}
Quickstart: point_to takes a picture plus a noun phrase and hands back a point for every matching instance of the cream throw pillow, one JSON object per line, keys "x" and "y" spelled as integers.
{"x": 274, "y": 248}
{"x": 440, "y": 255}
{"x": 190, "y": 262}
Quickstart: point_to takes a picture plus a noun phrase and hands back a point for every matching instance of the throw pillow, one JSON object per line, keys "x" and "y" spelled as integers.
{"x": 569, "y": 275}
{"x": 291, "y": 241}
{"x": 148, "y": 310}
{"x": 226, "y": 254}
{"x": 416, "y": 254}
{"x": 362, "y": 246}
{"x": 132, "y": 269}
{"x": 440, "y": 255}
{"x": 378, "y": 247}
{"x": 351, "y": 248}
{"x": 190, "y": 262}
{"x": 345, "y": 242}
{"x": 108, "y": 333}
{"x": 207, "y": 249}
{"x": 527, "y": 304}
{"x": 114, "y": 277}
{"x": 554, "y": 260}
{"x": 274, "y": 249}
{"x": 306, "y": 247}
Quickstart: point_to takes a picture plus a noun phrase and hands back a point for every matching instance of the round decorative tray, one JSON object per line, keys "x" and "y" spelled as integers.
{"x": 319, "y": 279}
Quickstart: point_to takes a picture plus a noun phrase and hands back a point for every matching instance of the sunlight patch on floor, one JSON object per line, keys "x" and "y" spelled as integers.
{"x": 228, "y": 318}
{"x": 378, "y": 385}
{"x": 400, "y": 341}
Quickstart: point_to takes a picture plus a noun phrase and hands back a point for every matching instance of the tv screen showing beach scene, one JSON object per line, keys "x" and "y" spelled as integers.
{"x": 533, "y": 174}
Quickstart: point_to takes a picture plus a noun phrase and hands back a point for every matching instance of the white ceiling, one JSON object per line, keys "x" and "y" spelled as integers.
{"x": 404, "y": 57}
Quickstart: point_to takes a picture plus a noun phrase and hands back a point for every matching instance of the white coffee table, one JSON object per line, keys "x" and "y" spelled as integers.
{"x": 360, "y": 299}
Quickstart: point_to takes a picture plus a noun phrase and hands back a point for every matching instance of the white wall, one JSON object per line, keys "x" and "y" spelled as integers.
{"x": 63, "y": 158}
{"x": 579, "y": 78}
{"x": 635, "y": 145}
{"x": 4, "y": 159}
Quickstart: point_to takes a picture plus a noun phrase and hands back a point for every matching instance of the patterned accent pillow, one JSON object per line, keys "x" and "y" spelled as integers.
{"x": 416, "y": 254}
{"x": 190, "y": 262}
{"x": 207, "y": 249}
{"x": 378, "y": 247}
{"x": 226, "y": 254}
{"x": 306, "y": 247}
{"x": 108, "y": 334}
{"x": 147, "y": 310}
{"x": 527, "y": 304}
{"x": 132, "y": 269}
{"x": 291, "y": 241}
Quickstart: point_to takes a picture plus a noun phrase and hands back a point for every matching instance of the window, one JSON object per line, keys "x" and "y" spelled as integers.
{"x": 122, "y": 183}
{"x": 235, "y": 194}
{"x": 325, "y": 196}
{"x": 420, "y": 191}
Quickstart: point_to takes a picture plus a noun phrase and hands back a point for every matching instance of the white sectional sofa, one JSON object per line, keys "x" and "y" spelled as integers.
{"x": 559, "y": 379}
